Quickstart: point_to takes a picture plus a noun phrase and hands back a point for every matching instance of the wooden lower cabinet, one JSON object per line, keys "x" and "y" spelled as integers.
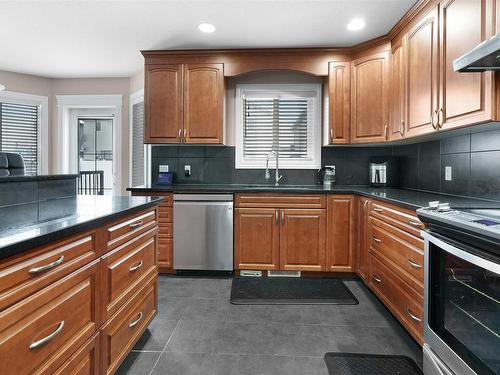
{"x": 303, "y": 240}
{"x": 85, "y": 361}
{"x": 256, "y": 238}
{"x": 341, "y": 233}
{"x": 362, "y": 259}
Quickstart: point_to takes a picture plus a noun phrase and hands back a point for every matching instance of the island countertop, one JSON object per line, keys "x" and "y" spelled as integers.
{"x": 25, "y": 226}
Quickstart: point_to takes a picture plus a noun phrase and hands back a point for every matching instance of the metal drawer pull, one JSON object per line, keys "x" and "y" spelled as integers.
{"x": 135, "y": 322}
{"x": 416, "y": 265}
{"x": 282, "y": 216}
{"x": 136, "y": 267}
{"x": 136, "y": 224}
{"x": 377, "y": 239}
{"x": 415, "y": 318}
{"x": 331, "y": 134}
{"x": 180, "y": 130}
{"x": 377, "y": 279}
{"x": 377, "y": 210}
{"x": 416, "y": 223}
{"x": 47, "y": 266}
{"x": 45, "y": 340}
{"x": 185, "y": 134}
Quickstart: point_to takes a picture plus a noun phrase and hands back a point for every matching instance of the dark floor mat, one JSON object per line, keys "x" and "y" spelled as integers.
{"x": 288, "y": 291}
{"x": 370, "y": 364}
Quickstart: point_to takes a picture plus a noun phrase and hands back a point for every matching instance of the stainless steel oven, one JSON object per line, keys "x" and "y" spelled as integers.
{"x": 461, "y": 308}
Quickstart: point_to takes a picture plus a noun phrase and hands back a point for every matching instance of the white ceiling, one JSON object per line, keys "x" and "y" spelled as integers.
{"x": 99, "y": 38}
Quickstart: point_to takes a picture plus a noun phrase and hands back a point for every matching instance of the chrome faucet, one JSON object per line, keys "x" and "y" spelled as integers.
{"x": 278, "y": 177}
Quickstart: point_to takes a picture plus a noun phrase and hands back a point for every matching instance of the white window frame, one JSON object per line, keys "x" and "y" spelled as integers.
{"x": 313, "y": 161}
{"x": 42, "y": 102}
{"x": 138, "y": 97}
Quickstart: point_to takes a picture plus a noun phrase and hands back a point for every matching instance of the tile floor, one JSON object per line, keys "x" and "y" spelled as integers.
{"x": 197, "y": 331}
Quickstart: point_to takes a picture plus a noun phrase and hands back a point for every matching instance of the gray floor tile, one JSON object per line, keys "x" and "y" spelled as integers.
{"x": 185, "y": 364}
{"x": 248, "y": 313}
{"x": 196, "y": 287}
{"x": 302, "y": 340}
{"x": 156, "y": 335}
{"x": 237, "y": 364}
{"x": 195, "y": 337}
{"x": 296, "y": 314}
{"x": 170, "y": 308}
{"x": 138, "y": 364}
{"x": 245, "y": 338}
{"x": 300, "y": 366}
{"x": 203, "y": 309}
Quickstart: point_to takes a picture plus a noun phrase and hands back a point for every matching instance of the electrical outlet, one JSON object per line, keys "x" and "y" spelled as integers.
{"x": 163, "y": 168}
{"x": 187, "y": 170}
{"x": 447, "y": 173}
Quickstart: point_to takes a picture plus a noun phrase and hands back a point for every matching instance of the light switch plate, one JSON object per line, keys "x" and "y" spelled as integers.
{"x": 187, "y": 170}
{"x": 447, "y": 173}
{"x": 163, "y": 168}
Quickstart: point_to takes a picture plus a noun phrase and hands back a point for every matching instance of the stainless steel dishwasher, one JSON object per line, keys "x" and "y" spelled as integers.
{"x": 203, "y": 232}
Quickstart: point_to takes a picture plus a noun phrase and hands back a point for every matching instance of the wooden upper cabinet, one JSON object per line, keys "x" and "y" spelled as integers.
{"x": 422, "y": 67}
{"x": 339, "y": 84}
{"x": 340, "y": 233}
{"x": 397, "y": 97}
{"x": 163, "y": 104}
{"x": 203, "y": 103}
{"x": 256, "y": 240}
{"x": 369, "y": 99}
{"x": 303, "y": 240}
{"x": 464, "y": 98}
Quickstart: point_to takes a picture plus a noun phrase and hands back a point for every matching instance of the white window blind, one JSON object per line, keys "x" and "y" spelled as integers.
{"x": 19, "y": 132}
{"x": 138, "y": 144}
{"x": 278, "y": 118}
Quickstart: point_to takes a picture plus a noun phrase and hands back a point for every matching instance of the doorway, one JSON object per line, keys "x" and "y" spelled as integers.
{"x": 95, "y": 156}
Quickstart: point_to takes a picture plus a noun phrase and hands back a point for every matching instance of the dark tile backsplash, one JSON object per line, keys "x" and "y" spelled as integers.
{"x": 473, "y": 158}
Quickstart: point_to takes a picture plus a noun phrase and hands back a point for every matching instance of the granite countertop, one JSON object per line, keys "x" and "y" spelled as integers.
{"x": 25, "y": 226}
{"x": 406, "y": 198}
{"x": 41, "y": 177}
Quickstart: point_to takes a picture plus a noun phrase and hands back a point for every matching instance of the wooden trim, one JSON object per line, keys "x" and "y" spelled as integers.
{"x": 408, "y": 17}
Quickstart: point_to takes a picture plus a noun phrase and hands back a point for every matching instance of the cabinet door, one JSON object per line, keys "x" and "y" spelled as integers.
{"x": 340, "y": 233}
{"x": 422, "y": 66}
{"x": 369, "y": 99}
{"x": 203, "y": 103}
{"x": 163, "y": 104}
{"x": 303, "y": 240}
{"x": 256, "y": 244}
{"x": 362, "y": 259}
{"x": 339, "y": 84}
{"x": 465, "y": 98}
{"x": 397, "y": 96}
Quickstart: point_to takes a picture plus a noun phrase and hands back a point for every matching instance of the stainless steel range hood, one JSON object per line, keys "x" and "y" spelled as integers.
{"x": 484, "y": 57}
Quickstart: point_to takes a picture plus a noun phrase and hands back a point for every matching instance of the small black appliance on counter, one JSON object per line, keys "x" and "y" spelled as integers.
{"x": 384, "y": 171}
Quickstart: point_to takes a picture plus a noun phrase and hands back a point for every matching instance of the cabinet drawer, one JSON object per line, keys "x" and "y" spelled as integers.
{"x": 398, "y": 249}
{"x": 401, "y": 218}
{"x": 166, "y": 230}
{"x": 41, "y": 332}
{"x": 280, "y": 201}
{"x": 165, "y": 215}
{"x": 125, "y": 268}
{"x": 168, "y": 198}
{"x": 130, "y": 227}
{"x": 121, "y": 333}
{"x": 85, "y": 361}
{"x": 405, "y": 303}
{"x": 24, "y": 275}
{"x": 165, "y": 251}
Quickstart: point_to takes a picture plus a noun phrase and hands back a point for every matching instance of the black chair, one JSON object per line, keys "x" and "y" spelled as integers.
{"x": 11, "y": 164}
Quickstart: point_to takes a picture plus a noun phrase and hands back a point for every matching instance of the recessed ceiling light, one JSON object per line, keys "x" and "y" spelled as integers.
{"x": 356, "y": 24}
{"x": 2, "y": 87}
{"x": 206, "y": 27}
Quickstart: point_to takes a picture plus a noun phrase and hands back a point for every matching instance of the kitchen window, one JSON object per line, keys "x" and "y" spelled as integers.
{"x": 139, "y": 152}
{"x": 281, "y": 118}
{"x": 23, "y": 127}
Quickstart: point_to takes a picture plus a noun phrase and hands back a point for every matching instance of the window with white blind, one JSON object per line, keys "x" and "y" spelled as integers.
{"x": 19, "y": 132}
{"x": 285, "y": 119}
{"x": 139, "y": 152}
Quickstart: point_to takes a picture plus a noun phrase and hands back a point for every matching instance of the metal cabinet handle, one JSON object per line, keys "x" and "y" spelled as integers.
{"x": 413, "y": 264}
{"x": 415, "y": 223}
{"x": 185, "y": 134}
{"x": 283, "y": 216}
{"x": 47, "y": 267}
{"x": 376, "y": 278}
{"x": 440, "y": 118}
{"x": 377, "y": 239}
{"x": 135, "y": 322}
{"x": 385, "y": 130}
{"x": 377, "y": 210}
{"x": 45, "y": 340}
{"x": 180, "y": 135}
{"x": 276, "y": 216}
{"x": 331, "y": 134}
{"x": 433, "y": 123}
{"x": 136, "y": 224}
{"x": 136, "y": 266}
{"x": 402, "y": 128}
{"x": 415, "y": 318}
{"x": 364, "y": 205}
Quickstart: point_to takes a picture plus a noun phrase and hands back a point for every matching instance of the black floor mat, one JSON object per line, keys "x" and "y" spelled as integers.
{"x": 370, "y": 364}
{"x": 288, "y": 291}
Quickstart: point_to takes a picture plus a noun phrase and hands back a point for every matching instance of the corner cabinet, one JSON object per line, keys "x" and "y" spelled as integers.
{"x": 397, "y": 113}
{"x": 369, "y": 98}
{"x": 184, "y": 103}
{"x": 339, "y": 86}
